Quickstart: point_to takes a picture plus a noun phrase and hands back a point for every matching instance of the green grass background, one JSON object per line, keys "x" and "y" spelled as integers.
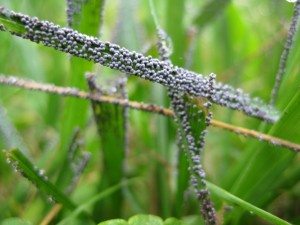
{"x": 240, "y": 41}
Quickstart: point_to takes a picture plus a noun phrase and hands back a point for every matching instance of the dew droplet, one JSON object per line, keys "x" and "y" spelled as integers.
{"x": 41, "y": 173}
{"x": 8, "y": 160}
{"x": 51, "y": 199}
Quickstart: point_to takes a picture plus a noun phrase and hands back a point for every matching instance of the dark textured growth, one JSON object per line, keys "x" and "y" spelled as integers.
{"x": 285, "y": 53}
{"x": 115, "y": 57}
{"x": 187, "y": 114}
{"x": 73, "y": 8}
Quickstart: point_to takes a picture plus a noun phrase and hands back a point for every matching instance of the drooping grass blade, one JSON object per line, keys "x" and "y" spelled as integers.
{"x": 23, "y": 165}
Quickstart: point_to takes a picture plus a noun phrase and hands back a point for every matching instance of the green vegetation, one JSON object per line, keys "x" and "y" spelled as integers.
{"x": 93, "y": 152}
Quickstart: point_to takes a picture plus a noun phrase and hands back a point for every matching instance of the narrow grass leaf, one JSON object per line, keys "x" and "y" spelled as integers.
{"x": 230, "y": 198}
{"x": 23, "y": 165}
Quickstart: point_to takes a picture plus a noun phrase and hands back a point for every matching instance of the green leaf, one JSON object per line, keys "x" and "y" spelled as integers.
{"x": 173, "y": 221}
{"x": 145, "y": 219}
{"x": 114, "y": 222}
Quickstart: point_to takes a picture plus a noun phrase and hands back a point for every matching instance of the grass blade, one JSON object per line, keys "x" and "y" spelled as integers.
{"x": 230, "y": 198}
{"x": 111, "y": 124}
{"x": 23, "y": 165}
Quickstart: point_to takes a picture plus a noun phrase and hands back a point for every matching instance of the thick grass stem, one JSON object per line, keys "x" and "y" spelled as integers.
{"x": 115, "y": 57}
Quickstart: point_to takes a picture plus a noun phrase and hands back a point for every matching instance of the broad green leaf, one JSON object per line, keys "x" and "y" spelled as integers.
{"x": 114, "y": 222}
{"x": 145, "y": 219}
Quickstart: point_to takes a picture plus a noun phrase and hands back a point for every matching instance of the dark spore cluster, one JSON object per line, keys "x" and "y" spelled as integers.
{"x": 130, "y": 62}
{"x": 194, "y": 143}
